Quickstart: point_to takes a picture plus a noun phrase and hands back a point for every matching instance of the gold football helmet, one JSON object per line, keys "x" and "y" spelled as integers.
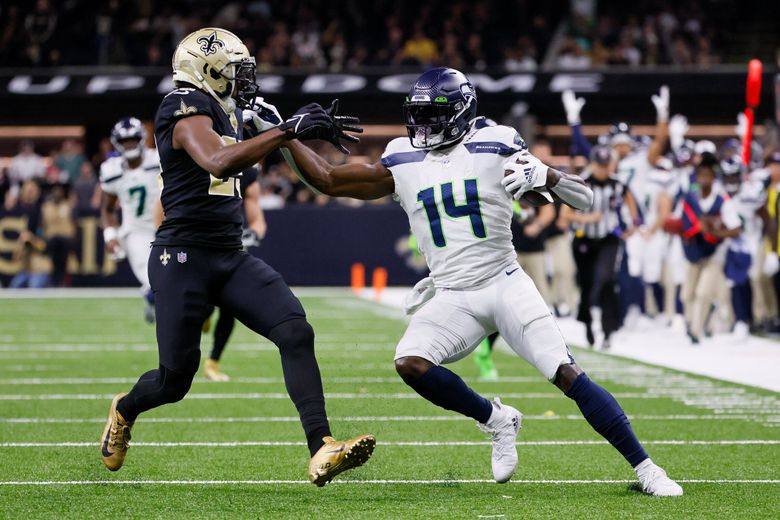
{"x": 218, "y": 62}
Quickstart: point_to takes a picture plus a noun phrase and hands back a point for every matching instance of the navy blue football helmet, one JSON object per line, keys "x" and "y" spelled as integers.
{"x": 439, "y": 108}
{"x": 731, "y": 170}
{"x": 127, "y": 129}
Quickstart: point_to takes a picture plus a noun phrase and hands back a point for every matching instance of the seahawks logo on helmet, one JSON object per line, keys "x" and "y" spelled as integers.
{"x": 210, "y": 43}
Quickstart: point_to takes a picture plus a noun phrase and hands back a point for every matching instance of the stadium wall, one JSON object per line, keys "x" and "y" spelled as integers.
{"x": 97, "y": 97}
{"x": 308, "y": 245}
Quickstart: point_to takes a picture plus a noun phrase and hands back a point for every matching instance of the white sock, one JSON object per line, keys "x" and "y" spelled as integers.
{"x": 644, "y": 465}
{"x": 496, "y": 416}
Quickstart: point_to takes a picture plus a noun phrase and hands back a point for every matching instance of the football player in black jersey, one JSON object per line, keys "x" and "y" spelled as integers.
{"x": 254, "y": 231}
{"x": 196, "y": 259}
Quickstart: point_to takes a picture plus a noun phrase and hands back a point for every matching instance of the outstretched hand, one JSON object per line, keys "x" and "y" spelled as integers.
{"x": 341, "y": 125}
{"x": 308, "y": 122}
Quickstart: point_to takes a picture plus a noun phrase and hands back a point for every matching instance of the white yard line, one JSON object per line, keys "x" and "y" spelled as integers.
{"x": 359, "y": 482}
{"x": 399, "y": 418}
{"x": 280, "y": 395}
{"x": 239, "y": 444}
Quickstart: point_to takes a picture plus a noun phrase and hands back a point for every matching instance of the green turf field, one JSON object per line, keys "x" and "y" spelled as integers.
{"x": 236, "y": 449}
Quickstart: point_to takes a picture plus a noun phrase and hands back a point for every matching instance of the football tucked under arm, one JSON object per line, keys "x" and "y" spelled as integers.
{"x": 529, "y": 179}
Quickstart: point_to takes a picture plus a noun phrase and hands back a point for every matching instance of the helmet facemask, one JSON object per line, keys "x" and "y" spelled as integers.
{"x": 434, "y": 124}
{"x": 246, "y": 88}
{"x": 129, "y": 154}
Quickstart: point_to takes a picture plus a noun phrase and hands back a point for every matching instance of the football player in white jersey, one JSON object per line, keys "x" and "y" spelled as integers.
{"x": 455, "y": 176}
{"x": 635, "y": 160}
{"x": 656, "y": 205}
{"x": 130, "y": 182}
{"x": 745, "y": 251}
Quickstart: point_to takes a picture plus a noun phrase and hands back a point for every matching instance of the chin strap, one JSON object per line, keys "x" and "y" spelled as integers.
{"x": 573, "y": 191}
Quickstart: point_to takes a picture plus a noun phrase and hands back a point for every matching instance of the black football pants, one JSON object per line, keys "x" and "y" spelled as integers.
{"x": 187, "y": 282}
{"x": 597, "y": 261}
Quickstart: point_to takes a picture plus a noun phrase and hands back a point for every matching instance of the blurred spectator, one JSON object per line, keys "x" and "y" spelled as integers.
{"x": 26, "y": 165}
{"x": 572, "y": 55}
{"x": 6, "y": 193}
{"x": 35, "y": 265}
{"x": 39, "y": 27}
{"x": 335, "y": 36}
{"x": 422, "y": 49}
{"x": 648, "y": 34}
{"x": 520, "y": 57}
{"x": 86, "y": 192}
{"x": 59, "y": 230}
{"x": 275, "y": 187}
{"x": 70, "y": 159}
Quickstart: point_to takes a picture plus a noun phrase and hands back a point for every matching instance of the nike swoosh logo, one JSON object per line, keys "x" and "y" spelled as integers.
{"x": 336, "y": 451}
{"x": 509, "y": 273}
{"x": 104, "y": 447}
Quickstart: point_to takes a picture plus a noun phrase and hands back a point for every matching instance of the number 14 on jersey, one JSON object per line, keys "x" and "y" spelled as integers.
{"x": 470, "y": 209}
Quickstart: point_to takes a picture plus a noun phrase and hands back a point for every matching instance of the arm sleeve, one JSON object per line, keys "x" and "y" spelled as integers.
{"x": 572, "y": 191}
{"x": 579, "y": 144}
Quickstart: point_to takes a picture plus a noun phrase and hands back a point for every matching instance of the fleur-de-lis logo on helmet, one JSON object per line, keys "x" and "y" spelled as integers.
{"x": 210, "y": 43}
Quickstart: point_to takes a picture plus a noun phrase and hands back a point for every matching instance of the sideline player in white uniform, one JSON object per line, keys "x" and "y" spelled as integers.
{"x": 455, "y": 176}
{"x": 656, "y": 206}
{"x": 130, "y": 181}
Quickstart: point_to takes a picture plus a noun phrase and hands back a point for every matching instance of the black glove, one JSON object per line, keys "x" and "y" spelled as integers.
{"x": 309, "y": 122}
{"x": 340, "y": 125}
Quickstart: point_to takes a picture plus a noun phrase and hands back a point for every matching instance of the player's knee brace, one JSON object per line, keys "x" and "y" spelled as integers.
{"x": 293, "y": 336}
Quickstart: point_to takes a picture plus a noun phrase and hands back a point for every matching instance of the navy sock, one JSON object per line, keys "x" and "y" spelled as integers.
{"x": 604, "y": 414}
{"x": 658, "y": 296}
{"x": 678, "y": 304}
{"x": 446, "y": 389}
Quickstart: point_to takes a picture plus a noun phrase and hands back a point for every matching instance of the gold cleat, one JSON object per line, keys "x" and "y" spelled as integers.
{"x": 116, "y": 437}
{"x": 212, "y": 371}
{"x": 338, "y": 456}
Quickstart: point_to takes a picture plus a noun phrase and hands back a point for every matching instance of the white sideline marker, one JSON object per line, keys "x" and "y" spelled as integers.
{"x": 238, "y": 444}
{"x": 359, "y": 482}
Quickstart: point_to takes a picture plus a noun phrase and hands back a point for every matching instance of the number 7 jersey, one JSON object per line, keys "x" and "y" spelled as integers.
{"x": 456, "y": 205}
{"x": 136, "y": 188}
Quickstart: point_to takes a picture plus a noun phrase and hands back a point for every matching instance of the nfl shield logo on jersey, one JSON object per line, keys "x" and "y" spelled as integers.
{"x": 181, "y": 257}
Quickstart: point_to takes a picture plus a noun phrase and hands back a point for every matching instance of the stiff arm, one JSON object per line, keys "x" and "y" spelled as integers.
{"x": 356, "y": 180}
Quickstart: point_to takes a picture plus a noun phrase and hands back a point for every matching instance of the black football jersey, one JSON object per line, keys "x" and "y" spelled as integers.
{"x": 200, "y": 209}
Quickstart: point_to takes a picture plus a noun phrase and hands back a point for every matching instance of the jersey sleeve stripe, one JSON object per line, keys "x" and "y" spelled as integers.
{"x": 494, "y": 147}
{"x": 111, "y": 179}
{"x": 395, "y": 159}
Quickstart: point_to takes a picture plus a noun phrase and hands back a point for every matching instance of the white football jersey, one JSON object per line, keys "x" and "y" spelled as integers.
{"x": 656, "y": 183}
{"x": 137, "y": 189}
{"x": 750, "y": 198}
{"x": 457, "y": 207}
{"x": 632, "y": 170}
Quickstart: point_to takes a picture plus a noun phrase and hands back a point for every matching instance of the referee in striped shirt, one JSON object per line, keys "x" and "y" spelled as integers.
{"x": 598, "y": 241}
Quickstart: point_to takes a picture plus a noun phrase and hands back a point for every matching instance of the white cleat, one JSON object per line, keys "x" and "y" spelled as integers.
{"x": 655, "y": 482}
{"x": 503, "y": 426}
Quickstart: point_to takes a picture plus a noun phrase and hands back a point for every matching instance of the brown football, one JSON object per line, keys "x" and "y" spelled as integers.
{"x": 673, "y": 226}
{"x": 534, "y": 198}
